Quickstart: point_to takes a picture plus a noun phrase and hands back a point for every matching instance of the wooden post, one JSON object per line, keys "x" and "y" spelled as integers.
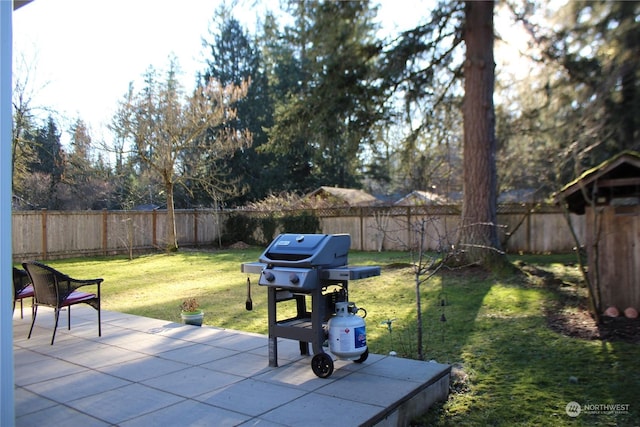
{"x": 154, "y": 223}
{"x": 195, "y": 227}
{"x": 409, "y": 243}
{"x": 361, "y": 229}
{"x": 44, "y": 233}
{"x": 529, "y": 248}
{"x": 104, "y": 232}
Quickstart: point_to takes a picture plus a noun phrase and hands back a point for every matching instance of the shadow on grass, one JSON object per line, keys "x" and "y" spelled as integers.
{"x": 516, "y": 371}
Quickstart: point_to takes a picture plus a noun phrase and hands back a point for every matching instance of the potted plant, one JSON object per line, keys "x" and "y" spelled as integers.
{"x": 191, "y": 313}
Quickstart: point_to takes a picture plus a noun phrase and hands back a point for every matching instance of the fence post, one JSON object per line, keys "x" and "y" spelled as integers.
{"x": 154, "y": 222}
{"x": 44, "y": 233}
{"x": 528, "y": 229}
{"x": 361, "y": 229}
{"x": 409, "y": 234}
{"x": 104, "y": 231}
{"x": 195, "y": 226}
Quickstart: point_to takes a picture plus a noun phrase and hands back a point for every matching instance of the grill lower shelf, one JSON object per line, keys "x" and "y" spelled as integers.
{"x": 296, "y": 323}
{"x": 297, "y": 329}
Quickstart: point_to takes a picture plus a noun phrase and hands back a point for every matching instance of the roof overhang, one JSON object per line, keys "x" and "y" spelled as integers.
{"x": 17, "y": 4}
{"x": 616, "y": 177}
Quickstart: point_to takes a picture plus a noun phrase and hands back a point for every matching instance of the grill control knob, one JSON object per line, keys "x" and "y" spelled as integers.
{"x": 293, "y": 278}
{"x": 269, "y": 276}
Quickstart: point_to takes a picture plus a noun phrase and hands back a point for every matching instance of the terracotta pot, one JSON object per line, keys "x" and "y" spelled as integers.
{"x": 612, "y": 312}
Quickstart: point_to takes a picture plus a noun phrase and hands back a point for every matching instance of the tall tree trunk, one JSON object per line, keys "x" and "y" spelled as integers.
{"x": 479, "y": 234}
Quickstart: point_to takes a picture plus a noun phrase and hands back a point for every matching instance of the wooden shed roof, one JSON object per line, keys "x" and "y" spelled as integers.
{"x": 617, "y": 177}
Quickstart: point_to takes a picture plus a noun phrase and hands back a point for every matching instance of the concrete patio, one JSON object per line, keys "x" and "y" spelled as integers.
{"x": 145, "y": 372}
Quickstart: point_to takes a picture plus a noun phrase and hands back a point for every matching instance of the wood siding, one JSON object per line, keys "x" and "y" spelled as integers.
{"x": 612, "y": 249}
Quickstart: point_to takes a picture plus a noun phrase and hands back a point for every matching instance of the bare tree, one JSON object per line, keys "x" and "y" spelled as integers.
{"x": 431, "y": 247}
{"x": 175, "y": 136}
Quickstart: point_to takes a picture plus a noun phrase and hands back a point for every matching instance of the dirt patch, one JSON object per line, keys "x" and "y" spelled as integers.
{"x": 398, "y": 265}
{"x": 240, "y": 245}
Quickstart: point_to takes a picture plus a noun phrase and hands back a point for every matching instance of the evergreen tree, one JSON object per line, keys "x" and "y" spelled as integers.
{"x": 88, "y": 183}
{"x": 326, "y": 117}
{"x": 22, "y": 151}
{"x": 596, "y": 92}
{"x": 479, "y": 223}
{"x": 422, "y": 71}
{"x": 425, "y": 64}
{"x": 48, "y": 167}
{"x": 236, "y": 58}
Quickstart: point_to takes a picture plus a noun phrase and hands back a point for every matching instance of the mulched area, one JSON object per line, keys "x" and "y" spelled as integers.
{"x": 580, "y": 324}
{"x": 570, "y": 316}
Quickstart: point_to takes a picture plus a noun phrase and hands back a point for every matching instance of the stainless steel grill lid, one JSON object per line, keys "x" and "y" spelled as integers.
{"x": 308, "y": 250}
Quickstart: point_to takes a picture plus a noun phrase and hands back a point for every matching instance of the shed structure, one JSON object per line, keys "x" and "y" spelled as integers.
{"x": 609, "y": 196}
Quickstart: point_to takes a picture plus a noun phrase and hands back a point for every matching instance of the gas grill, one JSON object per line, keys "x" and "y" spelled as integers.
{"x": 295, "y": 267}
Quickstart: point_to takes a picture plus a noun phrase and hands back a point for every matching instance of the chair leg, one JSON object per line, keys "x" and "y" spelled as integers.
{"x": 34, "y": 309}
{"x": 69, "y": 317}
{"x": 99, "y": 322}
{"x": 55, "y": 326}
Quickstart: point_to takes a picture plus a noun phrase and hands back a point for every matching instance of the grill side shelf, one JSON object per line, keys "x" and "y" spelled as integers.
{"x": 252, "y": 267}
{"x": 340, "y": 273}
{"x": 350, "y": 273}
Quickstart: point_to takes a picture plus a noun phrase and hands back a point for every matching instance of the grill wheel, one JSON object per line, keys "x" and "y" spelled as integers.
{"x": 322, "y": 365}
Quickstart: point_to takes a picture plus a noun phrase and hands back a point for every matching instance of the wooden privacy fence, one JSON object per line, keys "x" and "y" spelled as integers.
{"x": 62, "y": 234}
{"x": 522, "y": 227}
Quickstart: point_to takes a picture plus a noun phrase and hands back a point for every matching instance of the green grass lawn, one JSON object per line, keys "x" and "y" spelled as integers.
{"x": 509, "y": 367}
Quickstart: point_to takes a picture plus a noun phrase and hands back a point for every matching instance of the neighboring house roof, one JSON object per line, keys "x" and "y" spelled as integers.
{"x": 521, "y": 195}
{"x": 418, "y": 197}
{"x": 617, "y": 177}
{"x": 342, "y": 196}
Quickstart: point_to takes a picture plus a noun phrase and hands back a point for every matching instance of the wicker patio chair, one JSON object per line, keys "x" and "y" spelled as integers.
{"x": 57, "y": 290}
{"x": 22, "y": 288}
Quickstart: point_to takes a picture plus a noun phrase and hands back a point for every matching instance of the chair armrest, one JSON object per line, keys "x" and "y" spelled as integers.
{"x": 74, "y": 284}
{"x": 85, "y": 282}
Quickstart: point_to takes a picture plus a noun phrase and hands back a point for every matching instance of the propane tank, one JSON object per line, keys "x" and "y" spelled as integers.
{"x": 347, "y": 332}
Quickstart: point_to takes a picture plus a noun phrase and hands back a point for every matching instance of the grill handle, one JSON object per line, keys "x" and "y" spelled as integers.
{"x": 248, "y": 305}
